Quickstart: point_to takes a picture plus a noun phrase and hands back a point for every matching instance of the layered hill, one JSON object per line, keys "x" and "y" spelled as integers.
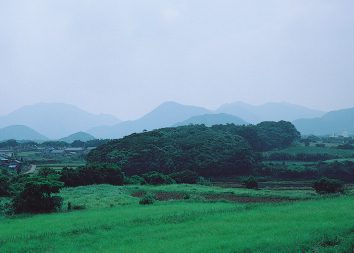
{"x": 213, "y": 119}
{"x": 165, "y": 115}
{"x": 210, "y": 151}
{"x": 19, "y": 132}
{"x": 56, "y": 120}
{"x": 268, "y": 112}
{"x": 79, "y": 136}
{"x": 335, "y": 122}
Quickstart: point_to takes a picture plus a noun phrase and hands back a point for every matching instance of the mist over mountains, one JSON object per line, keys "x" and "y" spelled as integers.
{"x": 165, "y": 115}
{"x": 335, "y": 122}
{"x": 56, "y": 120}
{"x": 66, "y": 122}
{"x": 268, "y": 112}
{"x": 213, "y": 119}
{"x": 20, "y": 132}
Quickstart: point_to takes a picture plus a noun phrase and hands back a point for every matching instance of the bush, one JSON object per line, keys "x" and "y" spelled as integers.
{"x": 134, "y": 180}
{"x": 92, "y": 174}
{"x": 326, "y": 186}
{"x": 185, "y": 177}
{"x": 4, "y": 186}
{"x": 250, "y": 183}
{"x": 78, "y": 207}
{"x": 157, "y": 178}
{"x": 204, "y": 181}
{"x": 35, "y": 197}
{"x": 148, "y": 199}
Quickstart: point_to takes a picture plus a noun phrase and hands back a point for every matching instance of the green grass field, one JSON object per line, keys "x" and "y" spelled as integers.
{"x": 113, "y": 221}
{"x": 60, "y": 166}
{"x": 293, "y": 150}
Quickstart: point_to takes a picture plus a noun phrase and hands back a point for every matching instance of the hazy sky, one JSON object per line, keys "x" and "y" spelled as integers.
{"x": 126, "y": 57}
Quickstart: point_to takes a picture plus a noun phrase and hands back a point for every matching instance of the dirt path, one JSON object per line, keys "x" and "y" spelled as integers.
{"x": 32, "y": 169}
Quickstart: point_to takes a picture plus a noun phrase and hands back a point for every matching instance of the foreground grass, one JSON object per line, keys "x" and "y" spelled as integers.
{"x": 324, "y": 225}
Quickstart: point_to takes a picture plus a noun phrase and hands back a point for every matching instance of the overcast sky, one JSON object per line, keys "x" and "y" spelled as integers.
{"x": 126, "y": 57}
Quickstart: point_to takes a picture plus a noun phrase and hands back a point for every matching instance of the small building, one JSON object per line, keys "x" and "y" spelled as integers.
{"x": 6, "y": 153}
{"x": 57, "y": 151}
{"x": 73, "y": 150}
{"x": 14, "y": 164}
{"x": 4, "y": 161}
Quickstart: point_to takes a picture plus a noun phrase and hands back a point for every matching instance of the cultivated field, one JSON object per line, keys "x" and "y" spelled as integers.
{"x": 187, "y": 218}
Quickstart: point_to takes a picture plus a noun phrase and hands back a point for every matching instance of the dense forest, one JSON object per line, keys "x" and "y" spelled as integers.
{"x": 221, "y": 150}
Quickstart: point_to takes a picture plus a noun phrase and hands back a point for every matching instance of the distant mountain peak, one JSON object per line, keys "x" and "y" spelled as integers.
{"x": 213, "y": 119}
{"x": 165, "y": 115}
{"x": 20, "y": 132}
{"x": 56, "y": 119}
{"x": 269, "y": 111}
{"x": 336, "y": 122}
{"x": 79, "y": 136}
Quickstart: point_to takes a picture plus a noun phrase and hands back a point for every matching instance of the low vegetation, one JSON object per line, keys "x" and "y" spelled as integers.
{"x": 194, "y": 188}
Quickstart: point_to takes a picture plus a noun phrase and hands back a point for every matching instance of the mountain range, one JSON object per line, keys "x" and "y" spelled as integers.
{"x": 20, "y": 132}
{"x": 165, "y": 115}
{"x": 53, "y": 120}
{"x": 213, "y": 119}
{"x": 56, "y": 120}
{"x": 268, "y": 112}
{"x": 335, "y": 122}
{"x": 79, "y": 136}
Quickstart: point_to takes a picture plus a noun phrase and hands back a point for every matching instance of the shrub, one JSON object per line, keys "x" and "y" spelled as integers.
{"x": 325, "y": 186}
{"x": 148, "y": 199}
{"x": 157, "y": 178}
{"x": 134, "y": 180}
{"x": 4, "y": 186}
{"x": 92, "y": 174}
{"x": 35, "y": 197}
{"x": 204, "y": 181}
{"x": 185, "y": 177}
{"x": 79, "y": 207}
{"x": 250, "y": 183}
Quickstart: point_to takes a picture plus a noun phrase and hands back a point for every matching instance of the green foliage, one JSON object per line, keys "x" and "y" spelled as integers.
{"x": 250, "y": 183}
{"x": 92, "y": 174}
{"x": 157, "y": 178}
{"x": 338, "y": 170}
{"x": 185, "y": 177}
{"x": 36, "y": 196}
{"x": 55, "y": 144}
{"x": 266, "y": 135}
{"x": 148, "y": 199}
{"x": 325, "y": 186}
{"x": 4, "y": 185}
{"x": 305, "y": 157}
{"x": 198, "y": 148}
{"x": 346, "y": 146}
{"x": 77, "y": 144}
{"x": 9, "y": 144}
{"x": 134, "y": 180}
{"x": 204, "y": 181}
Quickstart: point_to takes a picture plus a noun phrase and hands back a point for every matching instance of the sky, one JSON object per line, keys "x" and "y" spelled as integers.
{"x": 127, "y": 57}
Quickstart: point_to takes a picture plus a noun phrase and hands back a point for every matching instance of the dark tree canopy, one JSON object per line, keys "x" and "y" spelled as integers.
{"x": 197, "y": 148}
{"x": 36, "y": 195}
{"x": 266, "y": 135}
{"x": 92, "y": 174}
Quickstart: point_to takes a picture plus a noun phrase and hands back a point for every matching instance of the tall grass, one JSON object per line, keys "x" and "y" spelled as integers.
{"x": 324, "y": 225}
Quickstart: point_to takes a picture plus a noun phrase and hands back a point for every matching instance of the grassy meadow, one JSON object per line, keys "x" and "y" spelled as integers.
{"x": 113, "y": 221}
{"x": 298, "y": 149}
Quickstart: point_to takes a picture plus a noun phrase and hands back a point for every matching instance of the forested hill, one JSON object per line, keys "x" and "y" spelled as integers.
{"x": 210, "y": 151}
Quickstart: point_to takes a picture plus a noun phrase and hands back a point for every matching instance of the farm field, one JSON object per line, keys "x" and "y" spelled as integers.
{"x": 293, "y": 150}
{"x": 113, "y": 221}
